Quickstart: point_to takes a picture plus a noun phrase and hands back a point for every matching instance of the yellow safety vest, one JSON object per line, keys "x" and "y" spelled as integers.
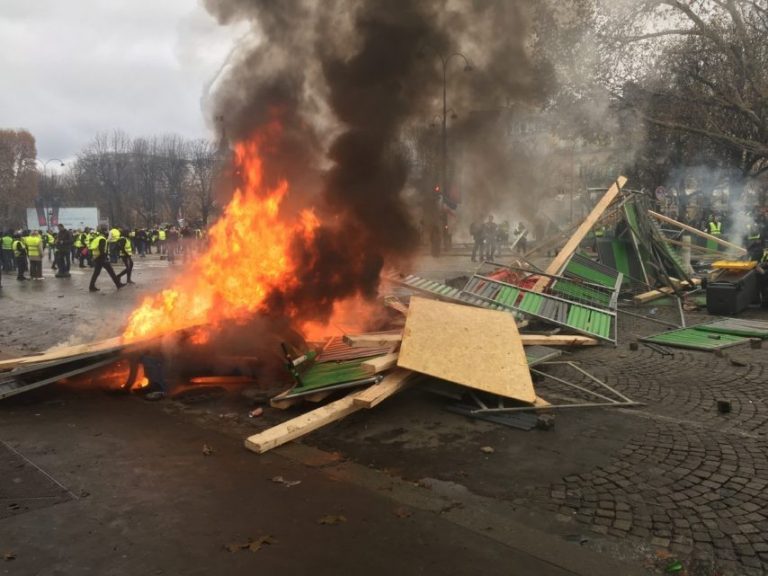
{"x": 128, "y": 248}
{"x": 34, "y": 246}
{"x": 715, "y": 228}
{"x": 18, "y": 248}
{"x": 162, "y": 234}
{"x": 7, "y": 242}
{"x": 93, "y": 246}
{"x": 78, "y": 240}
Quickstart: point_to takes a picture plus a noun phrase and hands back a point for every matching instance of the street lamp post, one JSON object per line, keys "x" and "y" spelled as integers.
{"x": 48, "y": 211}
{"x": 445, "y": 60}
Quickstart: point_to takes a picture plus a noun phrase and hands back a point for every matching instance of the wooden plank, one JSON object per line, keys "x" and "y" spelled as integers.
{"x": 319, "y": 417}
{"x": 370, "y": 397}
{"x": 557, "y": 340}
{"x": 373, "y": 339}
{"x": 692, "y": 230}
{"x": 559, "y": 262}
{"x": 62, "y": 352}
{"x": 652, "y": 295}
{"x": 380, "y": 364}
{"x": 473, "y": 347}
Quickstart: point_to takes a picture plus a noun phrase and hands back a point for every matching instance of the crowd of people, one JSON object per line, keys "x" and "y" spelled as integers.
{"x": 490, "y": 238}
{"x": 25, "y": 250}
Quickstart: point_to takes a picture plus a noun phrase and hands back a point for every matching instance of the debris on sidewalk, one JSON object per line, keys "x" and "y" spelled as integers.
{"x": 332, "y": 520}
{"x": 284, "y": 482}
{"x": 252, "y": 544}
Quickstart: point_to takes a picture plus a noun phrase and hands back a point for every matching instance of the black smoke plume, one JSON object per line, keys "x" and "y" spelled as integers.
{"x": 345, "y": 78}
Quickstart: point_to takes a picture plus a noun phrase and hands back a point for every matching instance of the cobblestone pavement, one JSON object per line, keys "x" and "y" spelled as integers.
{"x": 695, "y": 482}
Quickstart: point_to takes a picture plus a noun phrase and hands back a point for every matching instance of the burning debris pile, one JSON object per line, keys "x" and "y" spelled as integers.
{"x": 491, "y": 342}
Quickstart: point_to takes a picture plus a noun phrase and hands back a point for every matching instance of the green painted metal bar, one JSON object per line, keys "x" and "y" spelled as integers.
{"x": 694, "y": 339}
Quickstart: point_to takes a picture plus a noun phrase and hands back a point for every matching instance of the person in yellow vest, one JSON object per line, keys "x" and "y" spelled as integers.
{"x": 98, "y": 249}
{"x": 35, "y": 254}
{"x": 715, "y": 227}
{"x": 50, "y": 244}
{"x": 125, "y": 245}
{"x": 7, "y": 247}
{"x": 20, "y": 254}
{"x": 114, "y": 236}
{"x": 161, "y": 235}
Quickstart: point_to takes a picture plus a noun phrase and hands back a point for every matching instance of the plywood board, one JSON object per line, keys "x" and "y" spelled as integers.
{"x": 470, "y": 346}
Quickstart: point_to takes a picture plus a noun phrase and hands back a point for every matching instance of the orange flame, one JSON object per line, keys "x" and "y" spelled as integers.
{"x": 247, "y": 257}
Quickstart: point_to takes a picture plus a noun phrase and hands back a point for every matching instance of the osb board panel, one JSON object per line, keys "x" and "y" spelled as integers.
{"x": 470, "y": 346}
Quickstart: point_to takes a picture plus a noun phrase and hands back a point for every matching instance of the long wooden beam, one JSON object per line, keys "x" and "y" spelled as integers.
{"x": 581, "y": 232}
{"x": 306, "y": 423}
{"x": 699, "y": 233}
{"x": 557, "y": 340}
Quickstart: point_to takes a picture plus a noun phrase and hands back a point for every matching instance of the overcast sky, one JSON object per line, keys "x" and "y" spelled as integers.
{"x": 70, "y": 69}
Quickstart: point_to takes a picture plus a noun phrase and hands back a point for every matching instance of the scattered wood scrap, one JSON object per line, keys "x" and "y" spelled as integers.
{"x": 306, "y": 423}
{"x": 557, "y": 340}
{"x": 380, "y": 364}
{"x": 372, "y": 339}
{"x": 581, "y": 232}
{"x": 473, "y": 347}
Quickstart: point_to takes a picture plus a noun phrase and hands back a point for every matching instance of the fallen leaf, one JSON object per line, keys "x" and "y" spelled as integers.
{"x": 284, "y": 482}
{"x": 256, "y": 545}
{"x": 403, "y": 512}
{"x": 487, "y": 450}
{"x": 331, "y": 520}
{"x": 253, "y": 544}
{"x": 207, "y": 450}
{"x": 256, "y": 412}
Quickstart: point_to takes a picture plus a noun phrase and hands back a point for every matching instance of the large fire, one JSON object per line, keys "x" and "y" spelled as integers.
{"x": 248, "y": 256}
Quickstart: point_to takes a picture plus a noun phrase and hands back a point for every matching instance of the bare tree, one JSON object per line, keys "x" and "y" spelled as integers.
{"x": 108, "y": 159}
{"x": 147, "y": 179}
{"x": 202, "y": 161}
{"x": 18, "y": 175}
{"x": 173, "y": 167}
{"x": 696, "y": 68}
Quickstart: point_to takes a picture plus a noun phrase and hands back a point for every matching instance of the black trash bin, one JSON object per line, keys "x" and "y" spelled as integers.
{"x": 732, "y": 292}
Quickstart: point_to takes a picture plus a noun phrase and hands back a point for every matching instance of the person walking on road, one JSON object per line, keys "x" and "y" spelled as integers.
{"x": 98, "y": 248}
{"x": 125, "y": 248}
{"x": 20, "y": 253}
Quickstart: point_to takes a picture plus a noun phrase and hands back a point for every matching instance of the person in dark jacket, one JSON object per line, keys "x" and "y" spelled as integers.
{"x": 125, "y": 252}
{"x": 98, "y": 248}
{"x": 64, "y": 241}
